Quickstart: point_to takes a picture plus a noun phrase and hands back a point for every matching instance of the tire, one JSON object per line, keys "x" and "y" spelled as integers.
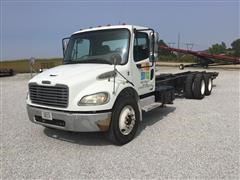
{"x": 181, "y": 66}
{"x": 208, "y": 83}
{"x": 188, "y": 88}
{"x": 125, "y": 120}
{"x": 199, "y": 86}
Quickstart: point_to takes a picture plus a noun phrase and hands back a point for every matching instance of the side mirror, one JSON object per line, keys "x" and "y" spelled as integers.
{"x": 64, "y": 45}
{"x": 152, "y": 58}
{"x": 116, "y": 59}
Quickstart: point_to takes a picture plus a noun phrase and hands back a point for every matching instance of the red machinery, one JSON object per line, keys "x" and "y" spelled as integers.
{"x": 205, "y": 59}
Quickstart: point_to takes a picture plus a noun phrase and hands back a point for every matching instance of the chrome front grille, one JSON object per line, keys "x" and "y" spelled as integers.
{"x": 56, "y": 96}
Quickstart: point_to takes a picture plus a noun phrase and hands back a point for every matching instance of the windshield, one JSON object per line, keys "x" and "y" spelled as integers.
{"x": 98, "y": 47}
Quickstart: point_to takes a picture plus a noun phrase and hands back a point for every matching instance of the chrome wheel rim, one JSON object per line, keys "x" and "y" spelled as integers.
{"x": 127, "y": 120}
{"x": 202, "y": 87}
{"x": 210, "y": 85}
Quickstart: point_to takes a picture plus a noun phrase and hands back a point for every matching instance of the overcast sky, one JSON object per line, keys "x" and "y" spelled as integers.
{"x": 35, "y": 28}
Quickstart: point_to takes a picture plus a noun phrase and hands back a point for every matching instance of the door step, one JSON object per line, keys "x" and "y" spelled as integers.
{"x": 151, "y": 106}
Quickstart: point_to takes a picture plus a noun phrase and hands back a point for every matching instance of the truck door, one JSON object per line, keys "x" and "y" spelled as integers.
{"x": 143, "y": 70}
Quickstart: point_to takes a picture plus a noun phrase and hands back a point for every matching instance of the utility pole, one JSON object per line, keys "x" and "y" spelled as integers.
{"x": 178, "y": 40}
{"x": 178, "y": 56}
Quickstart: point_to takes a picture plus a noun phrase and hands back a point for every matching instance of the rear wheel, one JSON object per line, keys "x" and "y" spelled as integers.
{"x": 199, "y": 86}
{"x": 208, "y": 82}
{"x": 125, "y": 120}
{"x": 188, "y": 89}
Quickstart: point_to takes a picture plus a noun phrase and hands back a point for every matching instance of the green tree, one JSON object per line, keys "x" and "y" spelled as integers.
{"x": 218, "y": 48}
{"x": 236, "y": 47}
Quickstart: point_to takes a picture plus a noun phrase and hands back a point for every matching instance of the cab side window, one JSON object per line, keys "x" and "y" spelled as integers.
{"x": 141, "y": 46}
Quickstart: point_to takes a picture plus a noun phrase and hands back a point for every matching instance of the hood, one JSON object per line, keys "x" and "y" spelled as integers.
{"x": 67, "y": 74}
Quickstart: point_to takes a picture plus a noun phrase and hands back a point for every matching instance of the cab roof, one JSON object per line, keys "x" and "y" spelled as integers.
{"x": 130, "y": 27}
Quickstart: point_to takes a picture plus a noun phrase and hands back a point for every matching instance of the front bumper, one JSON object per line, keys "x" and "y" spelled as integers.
{"x": 78, "y": 122}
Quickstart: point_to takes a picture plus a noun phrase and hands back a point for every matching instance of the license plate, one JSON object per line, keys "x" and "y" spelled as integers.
{"x": 47, "y": 115}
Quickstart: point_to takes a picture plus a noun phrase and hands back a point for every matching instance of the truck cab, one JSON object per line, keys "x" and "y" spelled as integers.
{"x": 105, "y": 82}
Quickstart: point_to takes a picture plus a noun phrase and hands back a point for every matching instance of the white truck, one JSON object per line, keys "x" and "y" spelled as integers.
{"x": 107, "y": 79}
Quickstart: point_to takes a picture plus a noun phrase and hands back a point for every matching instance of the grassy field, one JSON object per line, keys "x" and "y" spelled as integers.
{"x": 23, "y": 66}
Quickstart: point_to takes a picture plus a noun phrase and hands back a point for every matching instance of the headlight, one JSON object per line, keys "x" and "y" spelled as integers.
{"x": 94, "y": 99}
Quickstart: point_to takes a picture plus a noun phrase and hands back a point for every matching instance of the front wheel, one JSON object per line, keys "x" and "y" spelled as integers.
{"x": 125, "y": 120}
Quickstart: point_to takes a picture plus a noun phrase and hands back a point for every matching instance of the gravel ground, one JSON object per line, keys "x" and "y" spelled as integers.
{"x": 189, "y": 139}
